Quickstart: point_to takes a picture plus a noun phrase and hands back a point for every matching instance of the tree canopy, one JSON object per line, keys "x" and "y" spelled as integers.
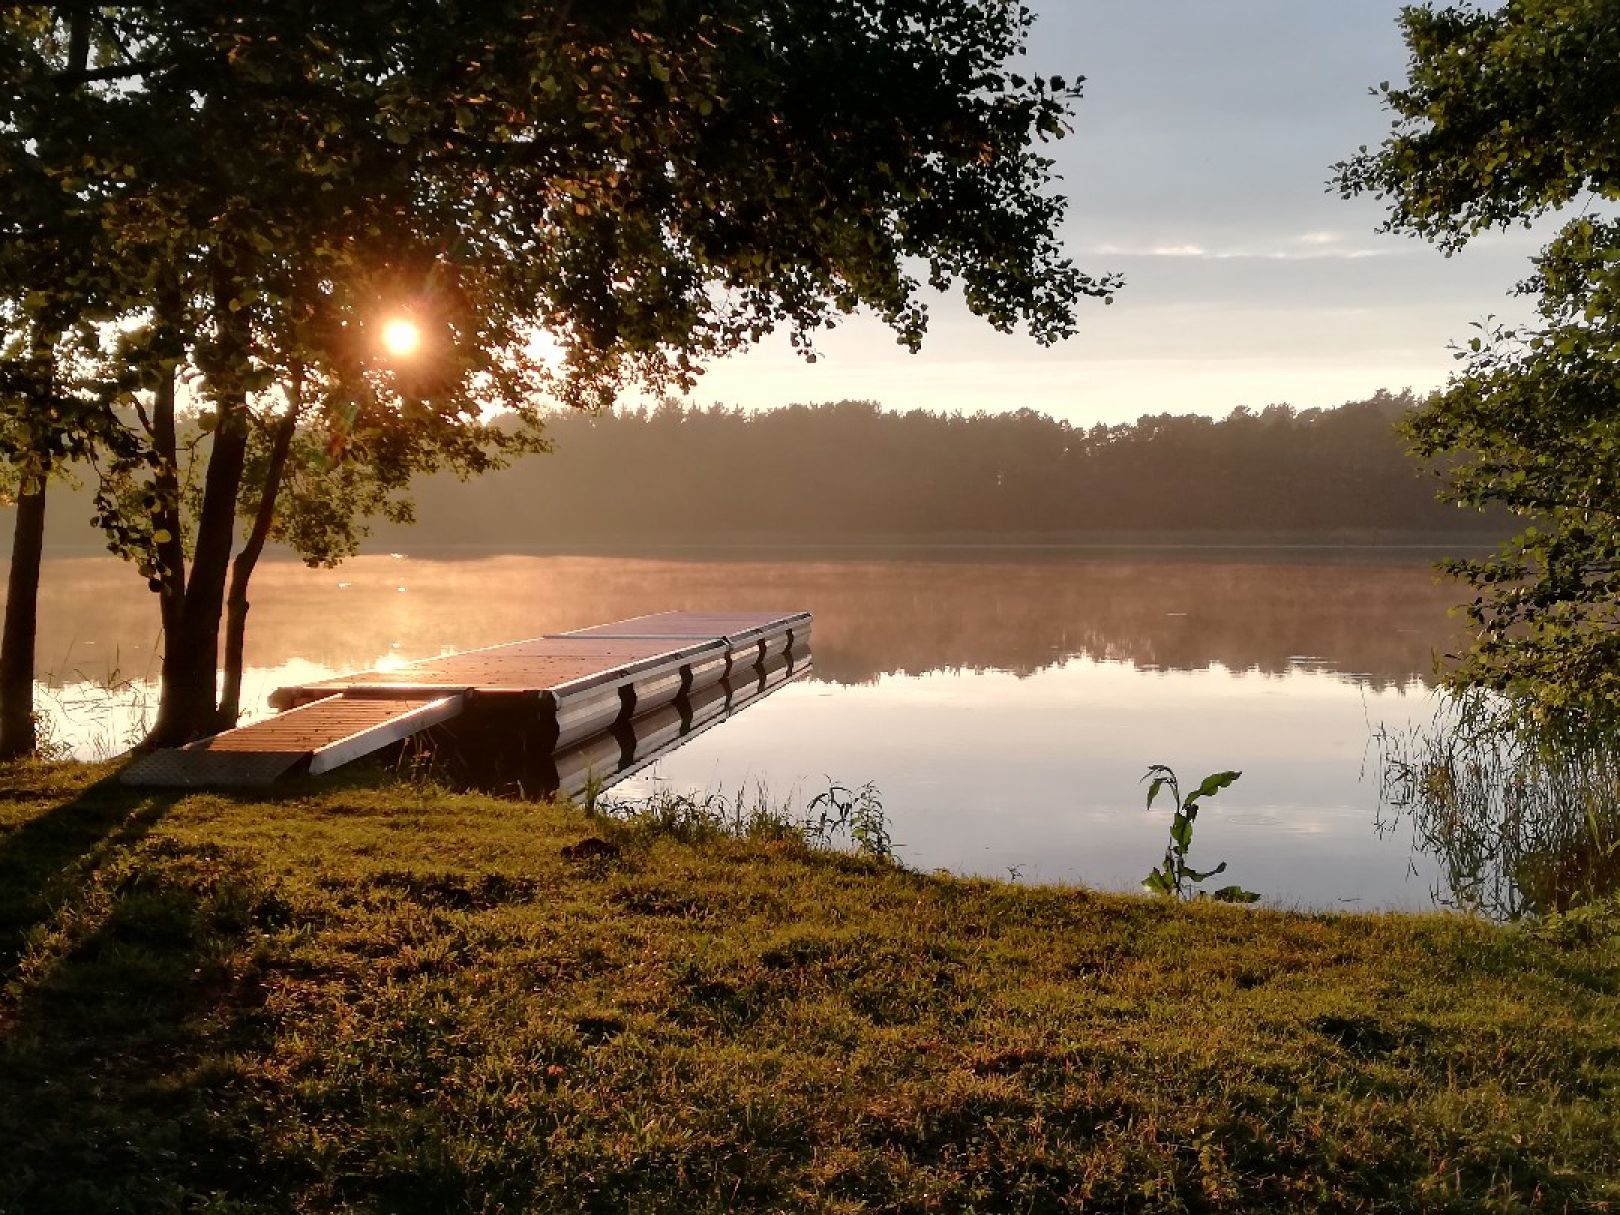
{"x": 252, "y": 189}
{"x": 1509, "y": 114}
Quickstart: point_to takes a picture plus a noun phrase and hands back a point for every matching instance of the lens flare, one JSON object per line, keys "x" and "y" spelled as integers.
{"x": 401, "y": 338}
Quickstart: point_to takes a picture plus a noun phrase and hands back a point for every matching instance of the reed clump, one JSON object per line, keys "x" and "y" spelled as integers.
{"x": 1521, "y": 805}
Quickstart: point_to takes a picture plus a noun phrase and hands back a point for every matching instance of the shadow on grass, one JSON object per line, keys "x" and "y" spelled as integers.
{"x": 45, "y": 862}
{"x": 127, "y": 982}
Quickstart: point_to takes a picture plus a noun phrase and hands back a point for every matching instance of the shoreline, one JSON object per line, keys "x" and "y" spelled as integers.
{"x": 754, "y": 547}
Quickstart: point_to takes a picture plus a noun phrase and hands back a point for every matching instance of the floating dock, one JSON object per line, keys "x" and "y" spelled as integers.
{"x": 548, "y": 694}
{"x": 621, "y": 753}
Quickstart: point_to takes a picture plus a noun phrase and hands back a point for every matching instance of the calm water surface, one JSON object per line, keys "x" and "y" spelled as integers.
{"x": 1005, "y": 706}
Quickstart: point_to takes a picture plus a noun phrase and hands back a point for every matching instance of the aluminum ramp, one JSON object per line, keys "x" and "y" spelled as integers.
{"x": 315, "y": 738}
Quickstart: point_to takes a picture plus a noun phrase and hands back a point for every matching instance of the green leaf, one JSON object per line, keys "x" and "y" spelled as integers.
{"x": 1161, "y": 775}
{"x": 1214, "y": 783}
{"x": 1153, "y": 790}
{"x": 1234, "y": 894}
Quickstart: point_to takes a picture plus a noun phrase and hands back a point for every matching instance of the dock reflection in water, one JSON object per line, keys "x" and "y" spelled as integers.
{"x": 502, "y": 759}
{"x": 648, "y": 738}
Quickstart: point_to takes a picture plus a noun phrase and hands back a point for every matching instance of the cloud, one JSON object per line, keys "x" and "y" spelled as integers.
{"x": 1327, "y": 253}
{"x": 1311, "y": 247}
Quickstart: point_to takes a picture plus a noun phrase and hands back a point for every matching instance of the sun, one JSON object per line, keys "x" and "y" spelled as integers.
{"x": 401, "y": 337}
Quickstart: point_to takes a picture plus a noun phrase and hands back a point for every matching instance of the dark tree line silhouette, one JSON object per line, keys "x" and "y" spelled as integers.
{"x": 851, "y": 472}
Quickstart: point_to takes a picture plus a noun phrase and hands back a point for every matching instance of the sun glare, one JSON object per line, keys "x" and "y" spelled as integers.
{"x": 401, "y": 338}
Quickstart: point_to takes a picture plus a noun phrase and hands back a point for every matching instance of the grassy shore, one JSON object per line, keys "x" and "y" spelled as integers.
{"x": 384, "y": 998}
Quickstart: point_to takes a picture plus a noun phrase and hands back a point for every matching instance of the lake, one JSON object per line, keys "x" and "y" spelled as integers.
{"x": 1005, "y": 703}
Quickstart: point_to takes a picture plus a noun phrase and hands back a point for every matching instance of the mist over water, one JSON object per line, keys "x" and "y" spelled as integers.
{"x": 1006, "y": 704}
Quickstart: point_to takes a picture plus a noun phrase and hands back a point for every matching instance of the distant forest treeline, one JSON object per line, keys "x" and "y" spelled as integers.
{"x": 852, "y": 472}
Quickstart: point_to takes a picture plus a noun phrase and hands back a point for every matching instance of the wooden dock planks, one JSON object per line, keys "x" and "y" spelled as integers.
{"x": 315, "y": 738}
{"x": 737, "y": 628}
{"x": 750, "y": 637}
{"x": 568, "y": 686}
{"x": 543, "y": 664}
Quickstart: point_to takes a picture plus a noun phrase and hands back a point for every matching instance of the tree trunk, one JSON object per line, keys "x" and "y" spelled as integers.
{"x": 18, "y": 638}
{"x": 17, "y": 642}
{"x": 236, "y": 605}
{"x": 78, "y": 42}
{"x": 188, "y": 701}
{"x": 171, "y": 575}
{"x": 188, "y": 704}
{"x": 171, "y": 552}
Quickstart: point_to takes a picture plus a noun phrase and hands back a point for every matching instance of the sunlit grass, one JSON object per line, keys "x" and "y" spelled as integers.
{"x": 382, "y": 997}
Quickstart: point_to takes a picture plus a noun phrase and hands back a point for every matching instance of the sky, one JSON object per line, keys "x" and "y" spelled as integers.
{"x": 1198, "y": 169}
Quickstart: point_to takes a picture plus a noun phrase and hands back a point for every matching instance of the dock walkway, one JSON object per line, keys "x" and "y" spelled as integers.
{"x": 564, "y": 687}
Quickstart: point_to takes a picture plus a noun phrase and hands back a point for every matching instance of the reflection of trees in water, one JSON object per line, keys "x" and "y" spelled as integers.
{"x": 1380, "y": 623}
{"x": 1523, "y": 814}
{"x": 873, "y": 617}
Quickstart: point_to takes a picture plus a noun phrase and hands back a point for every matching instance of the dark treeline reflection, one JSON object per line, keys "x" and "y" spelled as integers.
{"x": 851, "y": 471}
{"x": 1379, "y": 622}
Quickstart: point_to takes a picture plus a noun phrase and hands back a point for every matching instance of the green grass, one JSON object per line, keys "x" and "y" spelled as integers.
{"x": 383, "y": 998}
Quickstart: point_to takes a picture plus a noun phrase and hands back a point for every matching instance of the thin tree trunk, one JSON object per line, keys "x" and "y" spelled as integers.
{"x": 18, "y": 637}
{"x": 171, "y": 552}
{"x": 17, "y": 640}
{"x": 236, "y": 604}
{"x": 17, "y": 738}
{"x": 172, "y": 724}
{"x": 78, "y": 42}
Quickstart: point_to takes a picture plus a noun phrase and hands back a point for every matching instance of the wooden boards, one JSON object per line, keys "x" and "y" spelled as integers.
{"x": 739, "y": 629}
{"x": 749, "y": 637}
{"x": 315, "y": 738}
{"x": 574, "y": 686}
